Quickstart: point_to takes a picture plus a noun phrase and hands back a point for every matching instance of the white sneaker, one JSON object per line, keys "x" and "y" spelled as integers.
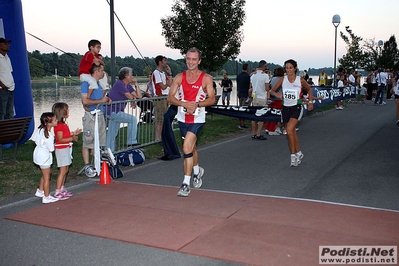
{"x": 274, "y": 133}
{"x": 294, "y": 160}
{"x": 383, "y": 103}
{"x": 39, "y": 193}
{"x": 278, "y": 130}
{"x": 299, "y": 156}
{"x": 49, "y": 199}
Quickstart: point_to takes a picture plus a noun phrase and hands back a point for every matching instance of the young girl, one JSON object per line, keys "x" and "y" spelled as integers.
{"x": 42, "y": 155}
{"x": 63, "y": 148}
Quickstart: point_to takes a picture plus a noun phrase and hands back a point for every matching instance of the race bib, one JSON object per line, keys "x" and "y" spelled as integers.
{"x": 290, "y": 95}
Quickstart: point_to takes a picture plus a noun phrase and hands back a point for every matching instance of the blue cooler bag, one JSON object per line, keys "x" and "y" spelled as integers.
{"x": 130, "y": 157}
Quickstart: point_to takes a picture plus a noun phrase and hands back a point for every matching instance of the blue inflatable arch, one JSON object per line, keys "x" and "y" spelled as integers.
{"x": 12, "y": 27}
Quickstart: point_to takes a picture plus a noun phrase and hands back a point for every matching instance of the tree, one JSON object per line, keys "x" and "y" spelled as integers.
{"x": 36, "y": 68}
{"x": 213, "y": 26}
{"x": 365, "y": 54}
{"x": 355, "y": 57}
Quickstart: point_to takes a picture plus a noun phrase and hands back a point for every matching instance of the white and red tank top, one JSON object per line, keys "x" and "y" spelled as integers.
{"x": 292, "y": 92}
{"x": 191, "y": 93}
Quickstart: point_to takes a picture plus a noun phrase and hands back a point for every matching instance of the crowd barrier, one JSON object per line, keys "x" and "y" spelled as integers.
{"x": 143, "y": 112}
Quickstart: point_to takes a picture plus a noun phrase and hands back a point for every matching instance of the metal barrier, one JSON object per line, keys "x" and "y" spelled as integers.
{"x": 143, "y": 112}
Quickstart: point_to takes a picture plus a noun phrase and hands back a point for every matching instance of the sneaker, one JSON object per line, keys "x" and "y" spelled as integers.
{"x": 274, "y": 133}
{"x": 383, "y": 103}
{"x": 284, "y": 132}
{"x": 299, "y": 157}
{"x": 261, "y": 137}
{"x": 197, "y": 179}
{"x": 40, "y": 193}
{"x": 60, "y": 196}
{"x": 184, "y": 190}
{"x": 278, "y": 130}
{"x": 66, "y": 193}
{"x": 294, "y": 160}
{"x": 49, "y": 199}
{"x": 253, "y": 137}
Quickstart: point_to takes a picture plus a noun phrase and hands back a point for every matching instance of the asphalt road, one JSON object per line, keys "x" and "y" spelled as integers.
{"x": 351, "y": 157}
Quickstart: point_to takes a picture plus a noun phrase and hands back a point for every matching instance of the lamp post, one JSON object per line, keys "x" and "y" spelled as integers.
{"x": 336, "y": 20}
{"x": 380, "y": 43}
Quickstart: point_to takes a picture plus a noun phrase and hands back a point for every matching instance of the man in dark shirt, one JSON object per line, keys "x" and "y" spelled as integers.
{"x": 243, "y": 84}
{"x": 227, "y": 87}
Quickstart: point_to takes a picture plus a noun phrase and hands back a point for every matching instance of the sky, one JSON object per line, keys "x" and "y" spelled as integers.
{"x": 273, "y": 30}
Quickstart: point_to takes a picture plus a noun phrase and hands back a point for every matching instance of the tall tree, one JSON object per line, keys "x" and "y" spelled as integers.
{"x": 213, "y": 26}
{"x": 355, "y": 57}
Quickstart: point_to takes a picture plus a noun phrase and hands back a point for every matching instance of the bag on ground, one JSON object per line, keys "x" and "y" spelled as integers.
{"x": 130, "y": 157}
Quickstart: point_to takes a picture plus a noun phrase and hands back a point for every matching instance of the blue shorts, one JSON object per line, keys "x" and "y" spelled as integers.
{"x": 194, "y": 128}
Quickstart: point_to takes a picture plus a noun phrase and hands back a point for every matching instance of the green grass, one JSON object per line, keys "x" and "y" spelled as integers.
{"x": 23, "y": 177}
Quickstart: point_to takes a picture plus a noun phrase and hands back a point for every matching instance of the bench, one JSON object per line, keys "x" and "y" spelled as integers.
{"x": 12, "y": 131}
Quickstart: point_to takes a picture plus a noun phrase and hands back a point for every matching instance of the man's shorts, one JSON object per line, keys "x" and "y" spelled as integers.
{"x": 63, "y": 156}
{"x": 194, "y": 128}
{"x": 88, "y": 129}
{"x": 160, "y": 107}
{"x": 259, "y": 102}
{"x": 289, "y": 112}
{"x": 242, "y": 102}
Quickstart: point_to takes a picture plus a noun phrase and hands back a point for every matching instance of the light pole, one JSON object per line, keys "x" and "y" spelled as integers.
{"x": 336, "y": 20}
{"x": 380, "y": 43}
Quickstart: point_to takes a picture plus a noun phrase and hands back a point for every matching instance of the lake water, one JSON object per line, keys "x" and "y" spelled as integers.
{"x": 46, "y": 94}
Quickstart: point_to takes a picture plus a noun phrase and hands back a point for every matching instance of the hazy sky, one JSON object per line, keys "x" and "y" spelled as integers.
{"x": 273, "y": 30}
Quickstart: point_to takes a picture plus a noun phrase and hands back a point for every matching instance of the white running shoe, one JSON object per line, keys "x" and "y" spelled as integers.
{"x": 294, "y": 160}
{"x": 197, "y": 179}
{"x": 274, "y": 133}
{"x": 39, "y": 193}
{"x": 49, "y": 199}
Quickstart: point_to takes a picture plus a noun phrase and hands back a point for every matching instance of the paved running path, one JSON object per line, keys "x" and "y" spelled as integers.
{"x": 351, "y": 158}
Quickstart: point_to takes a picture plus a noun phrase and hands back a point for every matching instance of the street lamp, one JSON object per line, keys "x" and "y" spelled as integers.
{"x": 336, "y": 20}
{"x": 380, "y": 43}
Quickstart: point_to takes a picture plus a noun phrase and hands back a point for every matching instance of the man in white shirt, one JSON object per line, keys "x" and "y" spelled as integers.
{"x": 260, "y": 89}
{"x": 7, "y": 84}
{"x": 381, "y": 79}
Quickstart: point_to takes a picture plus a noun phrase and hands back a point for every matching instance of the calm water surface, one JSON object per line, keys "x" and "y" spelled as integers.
{"x": 46, "y": 94}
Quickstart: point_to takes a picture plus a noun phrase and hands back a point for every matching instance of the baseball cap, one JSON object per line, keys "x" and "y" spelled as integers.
{"x": 2, "y": 40}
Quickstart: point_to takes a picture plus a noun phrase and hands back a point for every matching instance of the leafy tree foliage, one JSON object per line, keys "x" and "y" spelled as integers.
{"x": 365, "y": 54}
{"x": 213, "y": 26}
{"x": 36, "y": 68}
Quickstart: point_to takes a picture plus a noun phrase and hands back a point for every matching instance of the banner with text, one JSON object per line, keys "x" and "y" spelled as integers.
{"x": 322, "y": 96}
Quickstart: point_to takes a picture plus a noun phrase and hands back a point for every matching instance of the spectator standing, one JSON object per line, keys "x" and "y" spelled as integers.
{"x": 274, "y": 128}
{"x": 341, "y": 86}
{"x": 227, "y": 87}
{"x": 390, "y": 81}
{"x": 43, "y": 155}
{"x": 161, "y": 83}
{"x": 195, "y": 90}
{"x": 381, "y": 79}
{"x": 260, "y": 88}
{"x": 122, "y": 91}
{"x": 63, "y": 148}
{"x": 243, "y": 83}
{"x": 369, "y": 79}
{"x": 7, "y": 84}
{"x": 363, "y": 93}
{"x": 395, "y": 91}
{"x": 91, "y": 114}
{"x": 292, "y": 110}
{"x": 323, "y": 78}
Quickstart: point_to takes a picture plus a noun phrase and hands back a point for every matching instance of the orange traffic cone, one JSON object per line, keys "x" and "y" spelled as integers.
{"x": 105, "y": 177}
